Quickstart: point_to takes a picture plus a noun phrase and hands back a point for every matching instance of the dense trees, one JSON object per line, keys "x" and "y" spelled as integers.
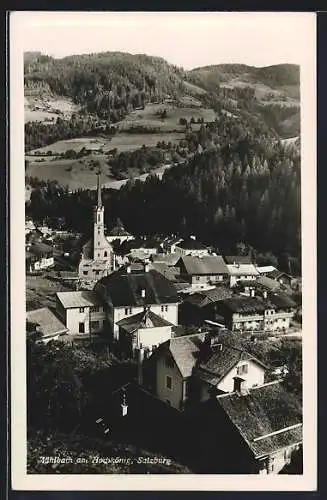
{"x": 243, "y": 187}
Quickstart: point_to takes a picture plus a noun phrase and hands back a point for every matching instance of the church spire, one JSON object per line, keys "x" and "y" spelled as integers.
{"x": 99, "y": 191}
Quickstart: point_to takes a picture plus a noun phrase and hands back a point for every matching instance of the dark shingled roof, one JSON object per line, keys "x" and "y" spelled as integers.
{"x": 206, "y": 297}
{"x": 280, "y": 300}
{"x": 264, "y": 410}
{"x": 278, "y": 274}
{"x": 244, "y": 305}
{"x": 268, "y": 283}
{"x": 144, "y": 319}
{"x": 220, "y": 360}
{"x": 238, "y": 259}
{"x": 124, "y": 289}
{"x": 184, "y": 351}
{"x": 208, "y": 265}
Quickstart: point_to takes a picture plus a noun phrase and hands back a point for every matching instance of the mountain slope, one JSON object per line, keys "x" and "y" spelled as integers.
{"x": 111, "y": 84}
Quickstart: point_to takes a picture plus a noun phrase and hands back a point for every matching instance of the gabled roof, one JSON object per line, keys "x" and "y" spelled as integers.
{"x": 168, "y": 272}
{"x": 268, "y": 418}
{"x": 78, "y": 299}
{"x": 281, "y": 300}
{"x": 191, "y": 244}
{"x": 184, "y": 351}
{"x": 242, "y": 269}
{"x": 170, "y": 259}
{"x": 219, "y": 360}
{"x": 144, "y": 319}
{"x": 265, "y": 269}
{"x": 275, "y": 274}
{"x": 125, "y": 289}
{"x": 268, "y": 283}
{"x": 47, "y": 322}
{"x": 206, "y": 297}
{"x": 244, "y": 305}
{"x": 238, "y": 259}
{"x": 207, "y": 265}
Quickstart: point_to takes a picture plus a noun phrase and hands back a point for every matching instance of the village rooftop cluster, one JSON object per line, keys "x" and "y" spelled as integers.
{"x": 166, "y": 305}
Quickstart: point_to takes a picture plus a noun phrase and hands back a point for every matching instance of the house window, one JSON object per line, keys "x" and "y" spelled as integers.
{"x": 85, "y": 273}
{"x": 105, "y": 254}
{"x": 169, "y": 382}
{"x": 98, "y": 255}
{"x": 81, "y": 309}
{"x": 164, "y": 308}
{"x": 95, "y": 309}
{"x": 197, "y": 278}
{"x": 95, "y": 325}
{"x": 242, "y": 369}
{"x": 97, "y": 272}
{"x": 272, "y": 460}
{"x": 128, "y": 310}
{"x": 81, "y": 328}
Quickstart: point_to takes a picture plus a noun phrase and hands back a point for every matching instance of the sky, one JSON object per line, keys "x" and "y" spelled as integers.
{"x": 186, "y": 39}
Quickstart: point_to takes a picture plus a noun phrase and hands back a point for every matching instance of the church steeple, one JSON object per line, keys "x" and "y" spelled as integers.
{"x": 99, "y": 205}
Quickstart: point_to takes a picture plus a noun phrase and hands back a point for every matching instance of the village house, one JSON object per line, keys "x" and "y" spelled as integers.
{"x": 261, "y": 424}
{"x": 119, "y": 233}
{"x": 132, "y": 287}
{"x": 202, "y": 305}
{"x": 272, "y": 313}
{"x": 265, "y": 270}
{"x": 143, "y": 249}
{"x": 169, "y": 244}
{"x": 191, "y": 246}
{"x": 38, "y": 257}
{"x": 241, "y": 269}
{"x": 81, "y": 312}
{"x": 281, "y": 277}
{"x": 29, "y": 226}
{"x": 98, "y": 258}
{"x": 203, "y": 271}
{"x": 191, "y": 368}
{"x": 43, "y": 325}
{"x": 144, "y": 330}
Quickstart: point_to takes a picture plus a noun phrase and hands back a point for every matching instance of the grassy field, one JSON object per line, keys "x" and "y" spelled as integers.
{"x": 47, "y": 109}
{"x": 73, "y": 173}
{"x": 150, "y": 118}
{"x": 129, "y": 142}
{"x": 59, "y": 147}
{"x": 40, "y": 292}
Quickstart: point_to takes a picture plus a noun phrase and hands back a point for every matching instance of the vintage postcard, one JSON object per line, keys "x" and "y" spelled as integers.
{"x": 163, "y": 251}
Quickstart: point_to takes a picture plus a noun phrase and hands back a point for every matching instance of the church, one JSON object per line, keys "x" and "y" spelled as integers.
{"x": 98, "y": 259}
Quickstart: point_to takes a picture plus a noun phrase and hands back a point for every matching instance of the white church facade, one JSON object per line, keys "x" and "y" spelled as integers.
{"x": 98, "y": 259}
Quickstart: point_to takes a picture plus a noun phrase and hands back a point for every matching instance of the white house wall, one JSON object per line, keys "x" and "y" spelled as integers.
{"x": 149, "y": 337}
{"x": 174, "y": 395}
{"x": 255, "y": 376}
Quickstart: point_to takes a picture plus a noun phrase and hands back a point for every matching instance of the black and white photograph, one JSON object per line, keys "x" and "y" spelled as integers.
{"x": 163, "y": 322}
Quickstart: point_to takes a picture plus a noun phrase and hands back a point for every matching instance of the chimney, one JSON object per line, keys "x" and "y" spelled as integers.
{"x": 146, "y": 267}
{"x": 140, "y": 358}
{"x": 128, "y": 268}
{"x": 240, "y": 385}
{"x": 265, "y": 295}
{"x": 143, "y": 293}
{"x": 252, "y": 292}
